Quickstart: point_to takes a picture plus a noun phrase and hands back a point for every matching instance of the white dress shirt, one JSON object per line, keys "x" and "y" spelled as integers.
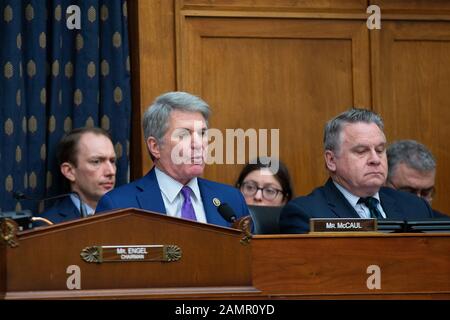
{"x": 360, "y": 208}
{"x": 173, "y": 198}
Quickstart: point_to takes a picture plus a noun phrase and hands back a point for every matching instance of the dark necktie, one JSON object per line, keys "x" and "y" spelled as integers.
{"x": 187, "y": 210}
{"x": 372, "y": 203}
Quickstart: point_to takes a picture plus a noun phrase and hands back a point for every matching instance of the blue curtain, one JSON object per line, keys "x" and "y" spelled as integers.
{"x": 54, "y": 79}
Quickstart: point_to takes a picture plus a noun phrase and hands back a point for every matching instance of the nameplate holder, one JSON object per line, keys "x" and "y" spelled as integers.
{"x": 127, "y": 253}
{"x": 342, "y": 225}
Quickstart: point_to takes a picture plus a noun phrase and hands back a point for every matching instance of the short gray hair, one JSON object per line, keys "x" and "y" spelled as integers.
{"x": 410, "y": 152}
{"x": 333, "y": 128}
{"x": 156, "y": 118}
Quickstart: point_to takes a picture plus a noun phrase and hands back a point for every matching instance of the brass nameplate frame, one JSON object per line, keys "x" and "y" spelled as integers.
{"x": 342, "y": 225}
{"x": 154, "y": 253}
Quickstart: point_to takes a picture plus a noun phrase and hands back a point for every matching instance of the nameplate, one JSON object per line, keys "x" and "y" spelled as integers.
{"x": 100, "y": 254}
{"x": 342, "y": 225}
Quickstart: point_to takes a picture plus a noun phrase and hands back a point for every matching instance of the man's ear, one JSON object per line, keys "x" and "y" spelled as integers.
{"x": 67, "y": 169}
{"x": 154, "y": 147}
{"x": 330, "y": 160}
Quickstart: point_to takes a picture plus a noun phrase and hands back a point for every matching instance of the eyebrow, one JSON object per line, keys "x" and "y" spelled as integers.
{"x": 382, "y": 144}
{"x": 269, "y": 184}
{"x": 190, "y": 129}
{"x": 101, "y": 157}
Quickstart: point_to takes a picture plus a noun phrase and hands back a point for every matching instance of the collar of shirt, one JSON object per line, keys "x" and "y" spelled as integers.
{"x": 171, "y": 188}
{"x": 76, "y": 202}
{"x": 173, "y": 199}
{"x": 361, "y": 209}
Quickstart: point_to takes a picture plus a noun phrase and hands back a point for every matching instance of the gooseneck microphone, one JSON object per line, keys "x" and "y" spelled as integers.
{"x": 226, "y": 212}
{"x": 22, "y": 196}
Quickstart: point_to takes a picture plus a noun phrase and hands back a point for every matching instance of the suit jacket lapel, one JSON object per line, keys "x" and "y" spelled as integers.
{"x": 210, "y": 209}
{"x": 150, "y": 198}
{"x": 68, "y": 210}
{"x": 390, "y": 206}
{"x": 337, "y": 202}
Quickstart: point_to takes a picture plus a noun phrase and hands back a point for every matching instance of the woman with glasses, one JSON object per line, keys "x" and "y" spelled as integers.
{"x": 260, "y": 185}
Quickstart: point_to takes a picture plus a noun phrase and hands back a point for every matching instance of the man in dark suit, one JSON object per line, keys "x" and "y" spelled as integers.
{"x": 87, "y": 160}
{"x": 175, "y": 134}
{"x": 62, "y": 210}
{"x": 355, "y": 157}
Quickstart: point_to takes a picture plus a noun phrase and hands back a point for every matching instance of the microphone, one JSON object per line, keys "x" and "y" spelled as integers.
{"x": 226, "y": 212}
{"x": 243, "y": 223}
{"x": 22, "y": 196}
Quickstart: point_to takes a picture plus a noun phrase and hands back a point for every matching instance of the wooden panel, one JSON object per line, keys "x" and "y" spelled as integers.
{"x": 337, "y": 264}
{"x": 152, "y": 46}
{"x": 411, "y": 82}
{"x": 250, "y": 69}
{"x": 216, "y": 264}
{"x": 2, "y": 270}
{"x": 211, "y": 256}
{"x": 286, "y": 74}
{"x": 278, "y": 5}
{"x": 436, "y": 10}
{"x": 422, "y": 7}
{"x": 193, "y": 293}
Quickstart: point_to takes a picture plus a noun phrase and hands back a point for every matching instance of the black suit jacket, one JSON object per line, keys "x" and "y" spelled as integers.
{"x": 328, "y": 202}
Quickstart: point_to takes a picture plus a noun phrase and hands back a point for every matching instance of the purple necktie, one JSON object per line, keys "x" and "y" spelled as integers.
{"x": 187, "y": 210}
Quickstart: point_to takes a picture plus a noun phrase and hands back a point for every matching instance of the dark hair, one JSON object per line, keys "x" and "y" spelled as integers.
{"x": 282, "y": 174}
{"x": 67, "y": 149}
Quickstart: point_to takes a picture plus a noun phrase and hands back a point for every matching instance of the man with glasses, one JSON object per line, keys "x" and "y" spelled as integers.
{"x": 412, "y": 168}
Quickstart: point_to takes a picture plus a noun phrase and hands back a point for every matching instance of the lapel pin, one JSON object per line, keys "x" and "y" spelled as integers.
{"x": 216, "y": 202}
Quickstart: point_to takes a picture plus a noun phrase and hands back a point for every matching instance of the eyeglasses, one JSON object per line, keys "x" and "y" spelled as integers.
{"x": 249, "y": 189}
{"x": 427, "y": 193}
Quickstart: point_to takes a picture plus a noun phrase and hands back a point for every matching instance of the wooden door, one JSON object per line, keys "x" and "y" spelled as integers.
{"x": 275, "y": 73}
{"x": 411, "y": 82}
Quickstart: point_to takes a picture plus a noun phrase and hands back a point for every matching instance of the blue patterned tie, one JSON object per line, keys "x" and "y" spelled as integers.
{"x": 372, "y": 203}
{"x": 187, "y": 210}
